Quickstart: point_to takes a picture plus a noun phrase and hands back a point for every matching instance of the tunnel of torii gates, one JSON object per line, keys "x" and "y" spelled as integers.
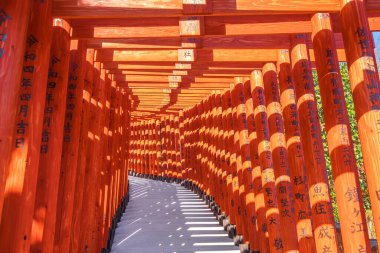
{"x": 216, "y": 94}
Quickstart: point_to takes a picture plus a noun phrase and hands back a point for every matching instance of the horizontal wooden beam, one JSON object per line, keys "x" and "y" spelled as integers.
{"x": 131, "y": 28}
{"x": 73, "y": 9}
{"x": 135, "y": 43}
{"x": 205, "y": 55}
{"x": 150, "y": 65}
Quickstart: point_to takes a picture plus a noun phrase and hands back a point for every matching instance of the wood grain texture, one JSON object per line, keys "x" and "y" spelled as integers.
{"x": 21, "y": 180}
{"x": 43, "y": 228}
{"x": 13, "y": 30}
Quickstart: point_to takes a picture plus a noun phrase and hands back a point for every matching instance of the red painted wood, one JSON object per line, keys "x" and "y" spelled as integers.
{"x": 280, "y": 158}
{"x": 13, "y": 30}
{"x": 235, "y": 198}
{"x": 296, "y": 156}
{"x": 364, "y": 79}
{"x": 339, "y": 138}
{"x": 177, "y": 147}
{"x": 83, "y": 146}
{"x": 96, "y": 236}
{"x": 182, "y": 149}
{"x": 226, "y": 161}
{"x": 113, "y": 124}
{"x": 43, "y": 228}
{"x": 261, "y": 242}
{"x": 104, "y": 194}
{"x": 22, "y": 166}
{"x": 276, "y": 242}
{"x": 321, "y": 209}
{"x": 244, "y": 158}
{"x": 70, "y": 149}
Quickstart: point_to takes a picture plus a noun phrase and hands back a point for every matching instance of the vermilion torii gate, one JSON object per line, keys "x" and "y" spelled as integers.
{"x": 216, "y": 94}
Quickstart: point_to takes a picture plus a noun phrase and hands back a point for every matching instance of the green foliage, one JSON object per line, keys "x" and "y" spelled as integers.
{"x": 355, "y": 137}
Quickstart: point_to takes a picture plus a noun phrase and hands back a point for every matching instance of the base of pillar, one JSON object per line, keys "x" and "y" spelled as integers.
{"x": 231, "y": 229}
{"x": 238, "y": 239}
{"x": 244, "y": 248}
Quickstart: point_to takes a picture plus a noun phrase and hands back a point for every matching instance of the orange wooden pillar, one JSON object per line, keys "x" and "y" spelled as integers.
{"x": 169, "y": 172}
{"x": 117, "y": 152}
{"x": 322, "y": 216}
{"x": 276, "y": 242}
{"x": 24, "y": 139}
{"x": 238, "y": 173}
{"x": 194, "y": 135}
{"x": 217, "y": 146}
{"x": 187, "y": 156}
{"x": 14, "y": 19}
{"x": 182, "y": 151}
{"x": 114, "y": 102}
{"x": 280, "y": 158}
{"x": 244, "y": 158}
{"x": 70, "y": 149}
{"x": 207, "y": 165}
{"x": 191, "y": 147}
{"x": 175, "y": 146}
{"x": 205, "y": 148}
{"x": 125, "y": 147}
{"x": 152, "y": 146}
{"x": 147, "y": 147}
{"x": 43, "y": 228}
{"x": 131, "y": 149}
{"x": 100, "y": 189}
{"x": 144, "y": 149}
{"x": 248, "y": 173}
{"x": 169, "y": 139}
{"x": 296, "y": 154}
{"x": 139, "y": 146}
{"x": 83, "y": 146}
{"x": 105, "y": 216}
{"x": 172, "y": 141}
{"x": 164, "y": 148}
{"x": 345, "y": 172}
{"x": 126, "y": 137}
{"x": 215, "y": 152}
{"x": 135, "y": 147}
{"x": 260, "y": 222}
{"x": 178, "y": 147}
{"x": 122, "y": 147}
{"x": 115, "y": 168}
{"x": 92, "y": 175}
{"x": 226, "y": 160}
{"x": 235, "y": 197}
{"x": 111, "y": 159}
{"x": 157, "y": 163}
{"x": 220, "y": 152}
{"x": 222, "y": 144}
{"x": 208, "y": 148}
{"x": 200, "y": 145}
{"x": 211, "y": 148}
{"x": 365, "y": 89}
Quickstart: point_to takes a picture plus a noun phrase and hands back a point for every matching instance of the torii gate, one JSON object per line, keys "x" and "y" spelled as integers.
{"x": 217, "y": 94}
